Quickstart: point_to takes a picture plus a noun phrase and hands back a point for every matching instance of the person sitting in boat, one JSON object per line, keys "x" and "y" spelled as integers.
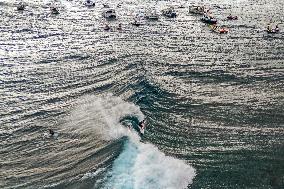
{"x": 141, "y": 124}
{"x": 106, "y": 5}
{"x": 268, "y": 28}
{"x": 119, "y": 26}
{"x": 21, "y": 6}
{"x": 136, "y": 23}
{"x": 276, "y": 28}
{"x": 107, "y": 27}
{"x": 51, "y": 132}
{"x": 223, "y": 30}
{"x": 230, "y": 17}
{"x": 54, "y": 10}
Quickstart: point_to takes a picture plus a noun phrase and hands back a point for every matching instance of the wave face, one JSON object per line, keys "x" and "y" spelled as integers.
{"x": 213, "y": 103}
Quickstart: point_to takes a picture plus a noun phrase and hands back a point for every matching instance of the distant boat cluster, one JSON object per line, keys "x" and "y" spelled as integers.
{"x": 139, "y": 19}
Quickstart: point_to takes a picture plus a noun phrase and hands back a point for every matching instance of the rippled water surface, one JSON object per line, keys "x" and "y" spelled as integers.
{"x": 213, "y": 103}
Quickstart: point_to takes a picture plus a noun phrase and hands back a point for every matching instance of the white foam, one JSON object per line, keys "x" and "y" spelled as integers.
{"x": 140, "y": 165}
{"x": 143, "y": 166}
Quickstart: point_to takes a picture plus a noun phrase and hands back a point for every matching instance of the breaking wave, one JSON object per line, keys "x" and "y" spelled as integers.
{"x": 140, "y": 165}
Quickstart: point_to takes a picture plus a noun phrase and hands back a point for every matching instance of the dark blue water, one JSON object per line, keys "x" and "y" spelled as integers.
{"x": 213, "y": 103}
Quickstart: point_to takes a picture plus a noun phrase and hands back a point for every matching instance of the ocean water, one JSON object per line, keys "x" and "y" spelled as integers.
{"x": 213, "y": 103}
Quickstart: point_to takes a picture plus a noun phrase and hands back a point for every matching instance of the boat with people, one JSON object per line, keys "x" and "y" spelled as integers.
{"x": 54, "y": 10}
{"x": 119, "y": 26}
{"x": 152, "y": 15}
{"x": 139, "y": 18}
{"x": 21, "y": 7}
{"x": 209, "y": 19}
{"x": 269, "y": 29}
{"x": 109, "y": 14}
{"x": 231, "y": 17}
{"x": 196, "y": 9}
{"x": 107, "y": 27}
{"x": 169, "y": 12}
{"x": 90, "y": 3}
{"x": 106, "y": 6}
{"x": 218, "y": 29}
{"x": 138, "y": 22}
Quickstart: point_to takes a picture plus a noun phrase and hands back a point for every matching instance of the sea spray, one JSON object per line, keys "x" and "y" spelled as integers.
{"x": 100, "y": 116}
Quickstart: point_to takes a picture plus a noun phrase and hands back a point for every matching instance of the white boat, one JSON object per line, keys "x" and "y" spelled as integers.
{"x": 209, "y": 19}
{"x": 138, "y": 22}
{"x": 169, "y": 12}
{"x": 139, "y": 18}
{"x": 152, "y": 15}
{"x": 106, "y": 6}
{"x": 196, "y": 9}
{"x": 90, "y": 3}
{"x": 109, "y": 14}
{"x": 272, "y": 30}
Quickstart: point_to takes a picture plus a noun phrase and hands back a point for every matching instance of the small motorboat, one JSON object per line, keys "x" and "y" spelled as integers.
{"x": 152, "y": 15}
{"x": 169, "y": 12}
{"x": 209, "y": 19}
{"x": 269, "y": 29}
{"x": 107, "y": 28}
{"x": 109, "y": 14}
{"x": 119, "y": 27}
{"x": 223, "y": 30}
{"x": 90, "y": 3}
{"x": 106, "y": 6}
{"x": 218, "y": 29}
{"x": 196, "y": 10}
{"x": 138, "y": 21}
{"x": 21, "y": 7}
{"x": 230, "y": 17}
{"x": 54, "y": 10}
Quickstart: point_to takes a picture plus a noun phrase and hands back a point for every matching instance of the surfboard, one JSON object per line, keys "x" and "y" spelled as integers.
{"x": 142, "y": 131}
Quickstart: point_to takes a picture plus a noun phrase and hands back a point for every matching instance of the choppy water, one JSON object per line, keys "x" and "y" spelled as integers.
{"x": 213, "y": 103}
